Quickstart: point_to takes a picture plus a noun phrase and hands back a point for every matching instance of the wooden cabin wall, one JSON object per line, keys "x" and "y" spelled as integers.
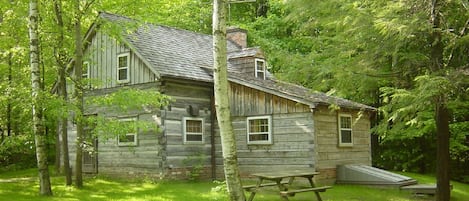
{"x": 244, "y": 65}
{"x": 146, "y": 158}
{"x": 246, "y": 101}
{"x": 328, "y": 152}
{"x": 102, "y": 55}
{"x": 177, "y": 152}
{"x": 292, "y": 132}
{"x": 143, "y": 159}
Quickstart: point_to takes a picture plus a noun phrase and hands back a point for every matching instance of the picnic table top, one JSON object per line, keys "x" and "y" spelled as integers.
{"x": 286, "y": 173}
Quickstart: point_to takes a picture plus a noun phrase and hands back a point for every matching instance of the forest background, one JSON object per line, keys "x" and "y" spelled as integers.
{"x": 374, "y": 52}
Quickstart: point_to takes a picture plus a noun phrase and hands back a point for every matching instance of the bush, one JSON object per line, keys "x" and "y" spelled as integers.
{"x": 17, "y": 152}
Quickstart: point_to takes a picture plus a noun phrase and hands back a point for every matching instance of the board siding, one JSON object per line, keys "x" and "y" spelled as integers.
{"x": 292, "y": 132}
{"x": 102, "y": 55}
{"x": 329, "y": 153}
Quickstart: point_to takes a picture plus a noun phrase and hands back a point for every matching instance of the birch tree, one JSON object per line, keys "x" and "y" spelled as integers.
{"x": 38, "y": 128}
{"x": 228, "y": 141}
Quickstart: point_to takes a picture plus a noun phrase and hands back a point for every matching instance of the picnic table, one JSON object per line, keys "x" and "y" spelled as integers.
{"x": 284, "y": 180}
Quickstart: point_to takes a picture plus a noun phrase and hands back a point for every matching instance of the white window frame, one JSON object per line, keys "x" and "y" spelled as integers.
{"x": 256, "y": 69}
{"x": 125, "y": 67}
{"x": 131, "y": 143}
{"x": 340, "y": 129}
{"x": 185, "y": 133}
{"x": 269, "y": 132}
{"x": 86, "y": 73}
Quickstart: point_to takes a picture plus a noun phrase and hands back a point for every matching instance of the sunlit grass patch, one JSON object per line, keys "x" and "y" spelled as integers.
{"x": 111, "y": 189}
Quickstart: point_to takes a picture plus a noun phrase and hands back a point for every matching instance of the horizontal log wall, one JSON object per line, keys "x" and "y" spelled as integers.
{"x": 329, "y": 154}
{"x": 145, "y": 158}
{"x": 180, "y": 157}
{"x": 292, "y": 147}
{"x": 292, "y": 132}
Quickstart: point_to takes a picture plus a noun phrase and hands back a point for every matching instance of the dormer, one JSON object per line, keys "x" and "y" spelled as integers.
{"x": 248, "y": 61}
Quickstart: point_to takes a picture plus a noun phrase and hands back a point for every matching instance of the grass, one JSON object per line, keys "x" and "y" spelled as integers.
{"x": 108, "y": 189}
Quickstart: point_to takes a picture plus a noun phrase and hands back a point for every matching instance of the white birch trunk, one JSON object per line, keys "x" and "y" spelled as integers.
{"x": 228, "y": 141}
{"x": 38, "y": 128}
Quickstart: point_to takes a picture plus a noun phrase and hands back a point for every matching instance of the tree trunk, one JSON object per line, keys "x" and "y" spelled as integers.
{"x": 441, "y": 108}
{"x": 10, "y": 82}
{"x": 228, "y": 141}
{"x": 78, "y": 96}
{"x": 62, "y": 92}
{"x": 38, "y": 128}
{"x": 262, "y": 8}
{"x": 57, "y": 152}
{"x": 443, "y": 192}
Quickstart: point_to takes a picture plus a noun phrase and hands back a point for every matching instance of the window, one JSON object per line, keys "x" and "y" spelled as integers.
{"x": 130, "y": 130}
{"x": 86, "y": 74}
{"x": 193, "y": 130}
{"x": 86, "y": 70}
{"x": 345, "y": 130}
{"x": 123, "y": 63}
{"x": 260, "y": 68}
{"x": 259, "y": 130}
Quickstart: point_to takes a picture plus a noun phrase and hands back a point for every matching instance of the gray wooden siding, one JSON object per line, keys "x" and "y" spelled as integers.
{"x": 244, "y": 65}
{"x": 247, "y": 101}
{"x": 329, "y": 154}
{"x": 292, "y": 132}
{"x": 185, "y": 94}
{"x": 102, "y": 56}
{"x": 292, "y": 147}
{"x": 145, "y": 158}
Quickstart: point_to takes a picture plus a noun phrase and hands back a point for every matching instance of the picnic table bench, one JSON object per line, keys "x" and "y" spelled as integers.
{"x": 280, "y": 180}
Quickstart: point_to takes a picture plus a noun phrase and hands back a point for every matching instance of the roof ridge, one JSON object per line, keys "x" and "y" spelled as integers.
{"x": 153, "y": 24}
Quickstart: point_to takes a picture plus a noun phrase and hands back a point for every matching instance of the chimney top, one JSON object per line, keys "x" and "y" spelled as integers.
{"x": 237, "y": 35}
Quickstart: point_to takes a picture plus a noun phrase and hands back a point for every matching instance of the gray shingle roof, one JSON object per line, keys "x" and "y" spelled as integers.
{"x": 170, "y": 51}
{"x": 184, "y": 54}
{"x": 295, "y": 92}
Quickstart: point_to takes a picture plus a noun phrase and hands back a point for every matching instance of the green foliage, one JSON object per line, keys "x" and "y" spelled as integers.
{"x": 220, "y": 187}
{"x": 196, "y": 164}
{"x": 131, "y": 99}
{"x": 126, "y": 101}
{"x": 17, "y": 152}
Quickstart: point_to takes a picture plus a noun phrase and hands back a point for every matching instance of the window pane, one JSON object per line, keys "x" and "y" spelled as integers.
{"x": 86, "y": 67}
{"x": 127, "y": 138}
{"x": 258, "y": 125}
{"x": 258, "y": 130}
{"x": 260, "y": 74}
{"x": 196, "y": 138}
{"x": 194, "y": 130}
{"x": 260, "y": 65}
{"x": 123, "y": 61}
{"x": 259, "y": 137}
{"x": 122, "y": 74}
{"x": 345, "y": 122}
{"x": 346, "y": 136}
{"x": 194, "y": 126}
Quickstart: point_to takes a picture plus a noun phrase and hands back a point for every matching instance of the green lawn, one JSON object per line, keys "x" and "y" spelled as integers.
{"x": 104, "y": 189}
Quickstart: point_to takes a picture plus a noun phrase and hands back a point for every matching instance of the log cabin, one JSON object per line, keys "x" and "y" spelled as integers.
{"x": 278, "y": 125}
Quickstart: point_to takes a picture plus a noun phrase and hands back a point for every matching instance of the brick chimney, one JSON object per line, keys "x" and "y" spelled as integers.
{"x": 238, "y": 36}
